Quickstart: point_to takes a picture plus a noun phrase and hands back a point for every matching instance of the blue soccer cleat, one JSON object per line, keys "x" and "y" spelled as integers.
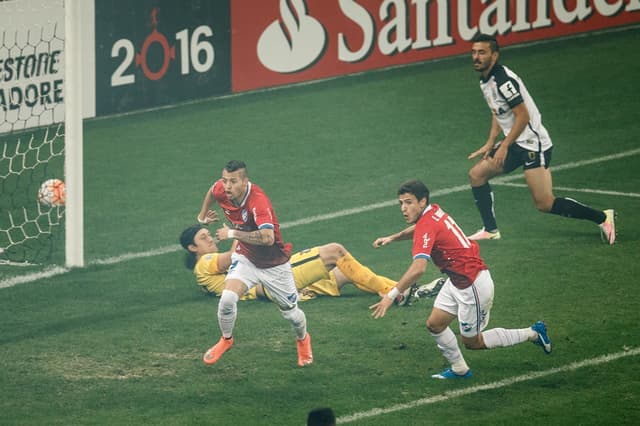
{"x": 449, "y": 374}
{"x": 543, "y": 339}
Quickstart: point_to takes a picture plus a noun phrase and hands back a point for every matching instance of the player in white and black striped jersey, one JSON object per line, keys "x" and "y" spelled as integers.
{"x": 526, "y": 143}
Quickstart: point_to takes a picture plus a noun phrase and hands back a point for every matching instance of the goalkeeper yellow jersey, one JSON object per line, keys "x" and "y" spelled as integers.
{"x": 309, "y": 273}
{"x": 211, "y": 278}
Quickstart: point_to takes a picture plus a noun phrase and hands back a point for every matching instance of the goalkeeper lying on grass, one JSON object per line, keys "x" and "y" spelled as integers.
{"x": 322, "y": 270}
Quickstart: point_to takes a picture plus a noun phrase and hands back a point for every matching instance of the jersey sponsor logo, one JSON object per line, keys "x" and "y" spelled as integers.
{"x": 425, "y": 240}
{"x": 508, "y": 90}
{"x": 293, "y": 44}
{"x": 245, "y": 215}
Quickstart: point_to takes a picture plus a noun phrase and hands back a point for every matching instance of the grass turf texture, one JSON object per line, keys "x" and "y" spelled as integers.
{"x": 122, "y": 343}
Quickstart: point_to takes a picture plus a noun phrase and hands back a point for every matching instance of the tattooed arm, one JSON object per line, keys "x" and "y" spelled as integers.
{"x": 261, "y": 237}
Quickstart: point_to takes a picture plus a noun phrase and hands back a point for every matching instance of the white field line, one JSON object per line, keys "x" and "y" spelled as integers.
{"x": 27, "y": 278}
{"x": 603, "y": 359}
{"x": 568, "y": 189}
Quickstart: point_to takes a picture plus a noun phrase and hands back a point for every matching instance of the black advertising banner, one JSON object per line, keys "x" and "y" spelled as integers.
{"x": 159, "y": 52}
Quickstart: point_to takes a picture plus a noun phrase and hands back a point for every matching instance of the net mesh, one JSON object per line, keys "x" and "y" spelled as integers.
{"x": 31, "y": 128}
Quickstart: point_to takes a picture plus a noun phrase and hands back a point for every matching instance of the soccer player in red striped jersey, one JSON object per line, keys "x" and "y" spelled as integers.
{"x": 260, "y": 257}
{"x": 467, "y": 293}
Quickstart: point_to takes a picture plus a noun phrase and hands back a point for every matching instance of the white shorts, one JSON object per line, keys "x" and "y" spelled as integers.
{"x": 472, "y": 305}
{"x": 278, "y": 280}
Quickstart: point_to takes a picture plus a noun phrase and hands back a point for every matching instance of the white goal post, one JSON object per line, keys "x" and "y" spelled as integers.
{"x": 73, "y": 162}
{"x": 41, "y": 128}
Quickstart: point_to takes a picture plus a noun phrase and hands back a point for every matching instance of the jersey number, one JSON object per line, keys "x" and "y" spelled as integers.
{"x": 455, "y": 230}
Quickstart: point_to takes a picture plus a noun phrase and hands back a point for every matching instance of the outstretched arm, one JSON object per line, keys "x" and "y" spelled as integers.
{"x": 405, "y": 234}
{"x": 412, "y": 275}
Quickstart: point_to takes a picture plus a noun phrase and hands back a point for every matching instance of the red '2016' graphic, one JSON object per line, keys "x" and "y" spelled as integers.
{"x": 195, "y": 53}
{"x": 169, "y": 52}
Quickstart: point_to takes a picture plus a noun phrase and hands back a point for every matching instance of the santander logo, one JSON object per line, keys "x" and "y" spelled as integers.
{"x": 294, "y": 42}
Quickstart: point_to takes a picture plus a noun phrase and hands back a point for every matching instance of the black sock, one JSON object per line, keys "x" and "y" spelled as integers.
{"x": 569, "y": 207}
{"x": 484, "y": 201}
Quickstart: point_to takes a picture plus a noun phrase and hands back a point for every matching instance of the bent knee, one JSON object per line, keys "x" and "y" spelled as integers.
{"x": 478, "y": 176}
{"x": 331, "y": 252}
{"x": 544, "y": 205}
{"x": 473, "y": 176}
{"x": 435, "y": 328}
{"x": 473, "y": 346}
{"x": 473, "y": 343}
{"x": 228, "y": 302}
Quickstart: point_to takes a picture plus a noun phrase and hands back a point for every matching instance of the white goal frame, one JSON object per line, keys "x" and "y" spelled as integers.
{"x": 73, "y": 161}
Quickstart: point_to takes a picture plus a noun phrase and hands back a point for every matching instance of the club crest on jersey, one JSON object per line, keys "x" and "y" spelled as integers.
{"x": 292, "y": 298}
{"x": 425, "y": 241}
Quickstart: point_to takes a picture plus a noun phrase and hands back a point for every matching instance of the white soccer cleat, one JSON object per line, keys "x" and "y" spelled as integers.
{"x": 608, "y": 227}
{"x": 481, "y": 234}
{"x": 430, "y": 289}
{"x": 404, "y": 299}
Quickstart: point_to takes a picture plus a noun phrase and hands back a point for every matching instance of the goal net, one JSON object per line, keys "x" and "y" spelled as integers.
{"x": 32, "y": 131}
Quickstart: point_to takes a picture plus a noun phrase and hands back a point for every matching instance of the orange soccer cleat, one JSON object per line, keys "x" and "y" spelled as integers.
{"x": 305, "y": 356}
{"x": 214, "y": 353}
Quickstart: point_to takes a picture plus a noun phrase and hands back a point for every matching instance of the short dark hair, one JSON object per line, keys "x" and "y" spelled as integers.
{"x": 234, "y": 165}
{"x": 415, "y": 187}
{"x": 186, "y": 239}
{"x": 321, "y": 417}
{"x": 493, "y": 43}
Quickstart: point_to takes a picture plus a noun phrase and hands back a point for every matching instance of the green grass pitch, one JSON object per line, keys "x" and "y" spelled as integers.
{"x": 121, "y": 341}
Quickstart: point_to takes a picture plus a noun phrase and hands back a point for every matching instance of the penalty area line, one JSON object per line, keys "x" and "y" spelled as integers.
{"x": 603, "y": 359}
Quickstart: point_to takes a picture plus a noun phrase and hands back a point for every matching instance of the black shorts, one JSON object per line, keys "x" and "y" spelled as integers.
{"x": 518, "y": 156}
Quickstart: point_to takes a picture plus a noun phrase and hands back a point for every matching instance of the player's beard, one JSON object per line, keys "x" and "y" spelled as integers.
{"x": 482, "y": 67}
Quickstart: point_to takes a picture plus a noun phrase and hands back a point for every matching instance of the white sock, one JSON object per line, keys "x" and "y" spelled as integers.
{"x": 298, "y": 320}
{"x": 502, "y": 337}
{"x": 448, "y": 345}
{"x": 227, "y": 312}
